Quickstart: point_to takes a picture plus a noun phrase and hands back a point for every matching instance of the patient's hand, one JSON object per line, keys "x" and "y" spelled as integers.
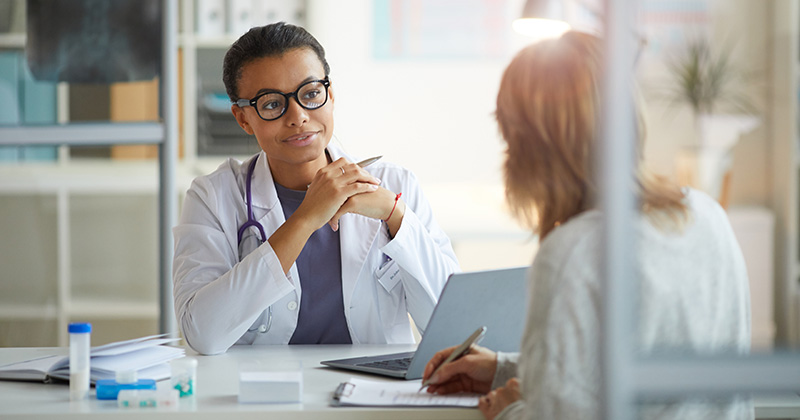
{"x": 473, "y": 372}
{"x": 496, "y": 401}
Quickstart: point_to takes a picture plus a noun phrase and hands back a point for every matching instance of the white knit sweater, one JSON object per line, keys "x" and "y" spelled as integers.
{"x": 693, "y": 297}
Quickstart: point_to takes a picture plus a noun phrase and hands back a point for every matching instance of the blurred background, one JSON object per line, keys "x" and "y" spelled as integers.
{"x": 414, "y": 81}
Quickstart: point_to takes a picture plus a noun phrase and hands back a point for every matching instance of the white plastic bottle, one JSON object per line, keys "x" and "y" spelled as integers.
{"x": 184, "y": 376}
{"x": 79, "y": 348}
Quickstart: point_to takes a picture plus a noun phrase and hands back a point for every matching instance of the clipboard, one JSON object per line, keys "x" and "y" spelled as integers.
{"x": 367, "y": 393}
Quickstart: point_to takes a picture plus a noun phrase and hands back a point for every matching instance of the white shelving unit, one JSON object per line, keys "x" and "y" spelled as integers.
{"x": 73, "y": 188}
{"x": 46, "y": 277}
{"x": 70, "y": 183}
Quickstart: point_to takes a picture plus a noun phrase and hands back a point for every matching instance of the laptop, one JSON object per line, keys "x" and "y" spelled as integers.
{"x": 494, "y": 298}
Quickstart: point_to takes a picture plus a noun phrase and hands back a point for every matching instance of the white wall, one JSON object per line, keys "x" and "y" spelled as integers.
{"x": 436, "y": 118}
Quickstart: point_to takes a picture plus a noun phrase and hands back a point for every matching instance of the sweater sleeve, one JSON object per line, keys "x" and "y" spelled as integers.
{"x": 513, "y": 411}
{"x": 506, "y": 368}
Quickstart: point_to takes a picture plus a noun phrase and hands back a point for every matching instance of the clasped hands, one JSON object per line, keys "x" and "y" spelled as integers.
{"x": 473, "y": 372}
{"x": 343, "y": 187}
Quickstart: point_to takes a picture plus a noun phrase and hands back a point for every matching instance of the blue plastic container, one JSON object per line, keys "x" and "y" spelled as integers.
{"x": 108, "y": 389}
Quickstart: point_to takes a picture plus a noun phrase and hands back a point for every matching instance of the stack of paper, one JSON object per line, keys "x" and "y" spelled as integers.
{"x": 362, "y": 392}
{"x": 147, "y": 355}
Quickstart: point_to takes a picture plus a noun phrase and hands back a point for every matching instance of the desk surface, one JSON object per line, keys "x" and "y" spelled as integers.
{"x": 218, "y": 387}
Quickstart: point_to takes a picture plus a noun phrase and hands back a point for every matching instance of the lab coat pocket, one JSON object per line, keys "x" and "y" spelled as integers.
{"x": 388, "y": 275}
{"x": 391, "y": 300}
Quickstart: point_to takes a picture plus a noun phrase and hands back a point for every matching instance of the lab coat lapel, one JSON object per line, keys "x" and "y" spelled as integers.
{"x": 263, "y": 188}
{"x": 356, "y": 235}
{"x": 266, "y": 207}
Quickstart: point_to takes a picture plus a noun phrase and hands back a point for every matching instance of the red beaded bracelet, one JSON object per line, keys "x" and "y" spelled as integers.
{"x": 396, "y": 198}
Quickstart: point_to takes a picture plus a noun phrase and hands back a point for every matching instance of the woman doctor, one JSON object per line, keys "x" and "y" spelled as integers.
{"x": 299, "y": 244}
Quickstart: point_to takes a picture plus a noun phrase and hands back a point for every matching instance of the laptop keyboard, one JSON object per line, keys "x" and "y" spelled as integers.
{"x": 390, "y": 364}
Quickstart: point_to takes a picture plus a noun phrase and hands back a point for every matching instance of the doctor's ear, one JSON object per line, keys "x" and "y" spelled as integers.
{"x": 241, "y": 118}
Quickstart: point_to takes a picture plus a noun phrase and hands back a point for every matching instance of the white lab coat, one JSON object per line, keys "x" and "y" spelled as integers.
{"x": 223, "y": 291}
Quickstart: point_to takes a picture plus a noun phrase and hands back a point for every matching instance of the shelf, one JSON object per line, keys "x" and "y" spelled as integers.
{"x": 112, "y": 309}
{"x": 79, "y": 197}
{"x": 89, "y": 176}
{"x": 201, "y": 41}
{"x": 28, "y": 311}
{"x": 83, "y": 134}
{"x": 12, "y": 40}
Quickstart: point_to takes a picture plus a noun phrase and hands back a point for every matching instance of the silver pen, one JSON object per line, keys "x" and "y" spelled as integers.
{"x": 366, "y": 162}
{"x": 363, "y": 163}
{"x": 475, "y": 338}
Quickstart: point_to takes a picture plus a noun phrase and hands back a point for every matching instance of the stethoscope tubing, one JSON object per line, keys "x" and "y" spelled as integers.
{"x": 252, "y": 222}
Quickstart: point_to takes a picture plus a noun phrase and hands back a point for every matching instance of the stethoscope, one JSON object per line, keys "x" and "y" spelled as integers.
{"x": 252, "y": 222}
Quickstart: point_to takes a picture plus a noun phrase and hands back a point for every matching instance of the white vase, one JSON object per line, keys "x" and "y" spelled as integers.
{"x": 705, "y": 164}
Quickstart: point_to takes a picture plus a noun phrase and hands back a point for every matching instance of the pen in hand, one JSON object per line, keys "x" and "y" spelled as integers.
{"x": 364, "y": 163}
{"x": 461, "y": 350}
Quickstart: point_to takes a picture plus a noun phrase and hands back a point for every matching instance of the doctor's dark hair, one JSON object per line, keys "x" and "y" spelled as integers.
{"x": 271, "y": 40}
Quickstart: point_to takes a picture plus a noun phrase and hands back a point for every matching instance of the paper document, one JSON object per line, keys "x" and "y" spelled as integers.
{"x": 147, "y": 355}
{"x": 361, "y": 392}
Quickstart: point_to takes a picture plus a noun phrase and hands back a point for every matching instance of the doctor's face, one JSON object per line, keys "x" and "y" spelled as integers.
{"x": 300, "y": 135}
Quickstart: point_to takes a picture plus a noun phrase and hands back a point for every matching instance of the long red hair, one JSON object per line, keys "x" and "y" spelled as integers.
{"x": 548, "y": 110}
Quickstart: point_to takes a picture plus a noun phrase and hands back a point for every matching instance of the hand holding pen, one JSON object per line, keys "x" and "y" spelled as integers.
{"x": 446, "y": 374}
{"x": 380, "y": 204}
{"x": 364, "y": 163}
{"x": 331, "y": 187}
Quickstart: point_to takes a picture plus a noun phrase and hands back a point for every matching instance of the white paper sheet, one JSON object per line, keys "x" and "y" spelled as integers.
{"x": 363, "y": 392}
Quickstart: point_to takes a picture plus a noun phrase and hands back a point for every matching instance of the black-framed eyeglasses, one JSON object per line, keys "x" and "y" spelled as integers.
{"x": 272, "y": 105}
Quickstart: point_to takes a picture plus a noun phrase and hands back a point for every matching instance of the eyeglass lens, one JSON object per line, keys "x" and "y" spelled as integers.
{"x": 311, "y": 95}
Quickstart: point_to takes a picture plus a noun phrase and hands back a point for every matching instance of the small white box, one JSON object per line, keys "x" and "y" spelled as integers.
{"x": 259, "y": 384}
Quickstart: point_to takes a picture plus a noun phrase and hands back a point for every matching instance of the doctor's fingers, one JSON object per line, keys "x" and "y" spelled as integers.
{"x": 323, "y": 201}
{"x": 343, "y": 169}
{"x": 368, "y": 204}
{"x": 338, "y": 180}
{"x": 355, "y": 173}
{"x": 352, "y": 204}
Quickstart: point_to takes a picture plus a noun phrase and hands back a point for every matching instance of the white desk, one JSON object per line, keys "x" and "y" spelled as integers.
{"x": 218, "y": 388}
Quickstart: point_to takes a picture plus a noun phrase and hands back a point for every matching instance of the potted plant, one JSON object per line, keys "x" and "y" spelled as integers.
{"x": 709, "y": 83}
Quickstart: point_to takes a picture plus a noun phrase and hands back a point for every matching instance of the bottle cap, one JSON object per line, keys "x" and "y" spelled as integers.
{"x": 80, "y": 327}
{"x": 126, "y": 377}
